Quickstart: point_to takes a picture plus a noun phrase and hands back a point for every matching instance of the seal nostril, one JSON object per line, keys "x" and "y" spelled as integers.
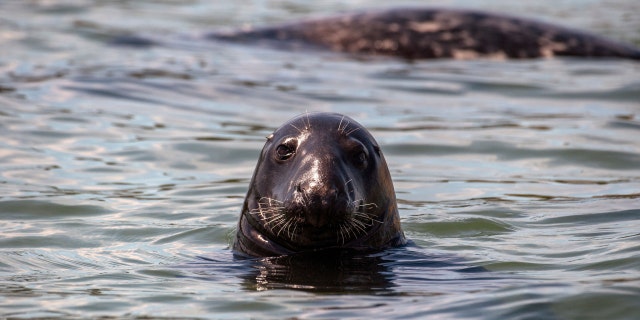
{"x": 298, "y": 188}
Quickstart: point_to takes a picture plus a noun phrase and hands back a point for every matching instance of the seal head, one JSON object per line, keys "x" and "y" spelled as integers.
{"x": 321, "y": 182}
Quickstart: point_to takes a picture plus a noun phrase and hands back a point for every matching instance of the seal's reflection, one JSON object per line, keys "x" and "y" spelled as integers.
{"x": 321, "y": 271}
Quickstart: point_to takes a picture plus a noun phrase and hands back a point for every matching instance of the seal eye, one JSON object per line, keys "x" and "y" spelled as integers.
{"x": 284, "y": 152}
{"x": 360, "y": 159}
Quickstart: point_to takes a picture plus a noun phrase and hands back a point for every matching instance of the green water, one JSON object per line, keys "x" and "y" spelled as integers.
{"x": 123, "y": 170}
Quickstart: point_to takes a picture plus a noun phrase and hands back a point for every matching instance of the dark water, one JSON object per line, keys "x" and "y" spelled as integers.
{"x": 123, "y": 169}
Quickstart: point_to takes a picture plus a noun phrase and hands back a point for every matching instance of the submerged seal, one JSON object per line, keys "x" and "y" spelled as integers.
{"x": 321, "y": 182}
{"x": 419, "y": 33}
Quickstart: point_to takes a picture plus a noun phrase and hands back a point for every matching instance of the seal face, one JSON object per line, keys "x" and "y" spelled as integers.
{"x": 321, "y": 182}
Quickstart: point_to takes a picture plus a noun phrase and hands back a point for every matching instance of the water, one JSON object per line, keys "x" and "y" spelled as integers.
{"x": 123, "y": 170}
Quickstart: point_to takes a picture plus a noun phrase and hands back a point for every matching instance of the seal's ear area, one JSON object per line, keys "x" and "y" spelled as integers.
{"x": 376, "y": 148}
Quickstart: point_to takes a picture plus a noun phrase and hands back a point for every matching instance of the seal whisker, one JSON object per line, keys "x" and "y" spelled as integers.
{"x": 281, "y": 225}
{"x": 340, "y": 233}
{"x": 294, "y": 235}
{"x": 275, "y": 219}
{"x": 346, "y": 233}
{"x": 299, "y": 130}
{"x": 308, "y": 124}
{"x": 352, "y": 131}
{"x": 365, "y": 206}
{"x": 271, "y": 213}
{"x": 366, "y": 217}
{"x": 340, "y": 130}
{"x": 357, "y": 230}
{"x": 362, "y": 214}
{"x": 292, "y": 223}
{"x": 346, "y": 185}
{"x": 358, "y": 225}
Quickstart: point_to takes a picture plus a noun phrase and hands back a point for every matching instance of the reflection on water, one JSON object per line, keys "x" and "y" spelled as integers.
{"x": 123, "y": 170}
{"x": 320, "y": 272}
{"x": 348, "y": 272}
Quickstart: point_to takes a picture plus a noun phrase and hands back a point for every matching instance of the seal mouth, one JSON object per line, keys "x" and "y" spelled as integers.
{"x": 321, "y": 213}
{"x": 301, "y": 227}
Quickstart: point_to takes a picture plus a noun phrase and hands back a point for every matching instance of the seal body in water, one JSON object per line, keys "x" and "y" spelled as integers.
{"x": 321, "y": 182}
{"x": 419, "y": 33}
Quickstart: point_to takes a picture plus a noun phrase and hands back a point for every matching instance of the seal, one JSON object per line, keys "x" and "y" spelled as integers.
{"x": 428, "y": 33}
{"x": 321, "y": 182}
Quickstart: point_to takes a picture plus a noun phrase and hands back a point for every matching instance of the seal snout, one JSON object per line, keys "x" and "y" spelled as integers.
{"x": 322, "y": 204}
